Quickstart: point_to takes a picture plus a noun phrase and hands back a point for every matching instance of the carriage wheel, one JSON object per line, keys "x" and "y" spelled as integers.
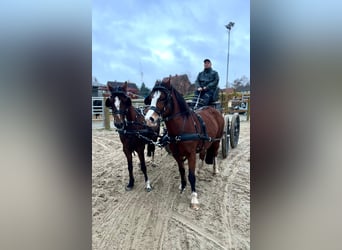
{"x": 235, "y": 130}
{"x": 225, "y": 138}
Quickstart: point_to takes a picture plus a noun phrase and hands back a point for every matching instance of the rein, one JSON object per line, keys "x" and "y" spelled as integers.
{"x": 146, "y": 130}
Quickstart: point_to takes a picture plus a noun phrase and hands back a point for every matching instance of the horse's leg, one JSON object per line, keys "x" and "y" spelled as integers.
{"x": 215, "y": 168}
{"x": 150, "y": 152}
{"x": 201, "y": 164}
{"x": 152, "y": 160}
{"x": 194, "y": 204}
{"x": 130, "y": 170}
{"x": 216, "y": 148}
{"x": 143, "y": 168}
{"x": 181, "y": 169}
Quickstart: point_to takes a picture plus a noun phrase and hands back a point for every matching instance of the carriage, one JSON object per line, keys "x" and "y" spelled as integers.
{"x": 231, "y": 133}
{"x": 231, "y": 130}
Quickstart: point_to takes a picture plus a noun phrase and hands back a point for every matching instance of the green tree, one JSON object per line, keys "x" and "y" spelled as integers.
{"x": 144, "y": 91}
{"x": 241, "y": 82}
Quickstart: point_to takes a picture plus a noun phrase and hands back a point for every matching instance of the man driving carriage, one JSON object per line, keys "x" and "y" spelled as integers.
{"x": 206, "y": 84}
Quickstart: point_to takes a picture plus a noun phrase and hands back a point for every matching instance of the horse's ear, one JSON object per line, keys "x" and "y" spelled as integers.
{"x": 124, "y": 86}
{"x": 147, "y": 100}
{"x": 108, "y": 103}
{"x": 167, "y": 81}
{"x": 109, "y": 87}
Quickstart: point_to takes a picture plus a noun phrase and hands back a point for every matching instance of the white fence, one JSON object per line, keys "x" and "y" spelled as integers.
{"x": 98, "y": 108}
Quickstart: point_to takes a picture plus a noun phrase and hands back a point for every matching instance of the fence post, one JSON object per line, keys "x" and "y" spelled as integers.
{"x": 224, "y": 102}
{"x": 248, "y": 108}
{"x": 106, "y": 114}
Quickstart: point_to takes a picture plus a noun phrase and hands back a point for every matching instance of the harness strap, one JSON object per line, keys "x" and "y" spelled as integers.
{"x": 136, "y": 132}
{"x": 185, "y": 137}
{"x": 190, "y": 136}
{"x": 202, "y": 124}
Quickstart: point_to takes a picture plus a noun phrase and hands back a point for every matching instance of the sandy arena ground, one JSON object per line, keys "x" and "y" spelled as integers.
{"x": 162, "y": 218}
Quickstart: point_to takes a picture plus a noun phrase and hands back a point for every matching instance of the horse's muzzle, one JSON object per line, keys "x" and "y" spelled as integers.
{"x": 151, "y": 118}
{"x": 151, "y": 123}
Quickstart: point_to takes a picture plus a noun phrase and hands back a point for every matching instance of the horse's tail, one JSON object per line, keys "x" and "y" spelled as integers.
{"x": 209, "y": 157}
{"x": 150, "y": 149}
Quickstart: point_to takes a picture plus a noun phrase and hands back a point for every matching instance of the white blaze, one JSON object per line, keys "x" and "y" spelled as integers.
{"x": 154, "y": 100}
{"x": 117, "y": 103}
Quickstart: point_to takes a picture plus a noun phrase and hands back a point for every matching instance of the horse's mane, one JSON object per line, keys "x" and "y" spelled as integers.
{"x": 183, "y": 106}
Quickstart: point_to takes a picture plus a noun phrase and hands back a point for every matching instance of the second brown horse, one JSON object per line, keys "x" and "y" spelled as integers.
{"x": 134, "y": 133}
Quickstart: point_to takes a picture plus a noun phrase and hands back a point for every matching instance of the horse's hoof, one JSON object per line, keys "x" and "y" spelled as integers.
{"x": 181, "y": 189}
{"x": 128, "y": 188}
{"x": 149, "y": 189}
{"x": 194, "y": 207}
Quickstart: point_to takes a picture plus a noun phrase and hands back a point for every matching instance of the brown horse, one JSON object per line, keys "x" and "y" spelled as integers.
{"x": 189, "y": 132}
{"x": 134, "y": 133}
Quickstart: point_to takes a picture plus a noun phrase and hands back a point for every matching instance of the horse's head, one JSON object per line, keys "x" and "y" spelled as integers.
{"x": 119, "y": 102}
{"x": 160, "y": 101}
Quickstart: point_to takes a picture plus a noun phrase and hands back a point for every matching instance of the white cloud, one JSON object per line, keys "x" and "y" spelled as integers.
{"x": 168, "y": 37}
{"x": 163, "y": 55}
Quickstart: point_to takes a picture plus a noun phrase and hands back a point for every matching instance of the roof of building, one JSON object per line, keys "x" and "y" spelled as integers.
{"x": 181, "y": 83}
{"x": 130, "y": 85}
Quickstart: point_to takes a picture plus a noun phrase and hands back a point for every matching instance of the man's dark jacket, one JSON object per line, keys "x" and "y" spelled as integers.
{"x": 208, "y": 78}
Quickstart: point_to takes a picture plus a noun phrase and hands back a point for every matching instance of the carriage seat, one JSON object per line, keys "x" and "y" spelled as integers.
{"x": 213, "y": 102}
{"x": 215, "y": 96}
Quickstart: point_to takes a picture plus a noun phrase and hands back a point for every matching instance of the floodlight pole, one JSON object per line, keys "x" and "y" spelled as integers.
{"x": 229, "y": 27}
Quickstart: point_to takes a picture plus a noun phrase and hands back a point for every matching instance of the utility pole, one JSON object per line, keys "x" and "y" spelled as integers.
{"x": 141, "y": 73}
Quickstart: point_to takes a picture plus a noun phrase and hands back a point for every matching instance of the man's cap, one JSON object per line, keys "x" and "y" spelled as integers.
{"x": 206, "y": 60}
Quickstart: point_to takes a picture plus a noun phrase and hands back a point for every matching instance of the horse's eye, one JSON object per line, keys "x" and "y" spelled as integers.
{"x": 162, "y": 97}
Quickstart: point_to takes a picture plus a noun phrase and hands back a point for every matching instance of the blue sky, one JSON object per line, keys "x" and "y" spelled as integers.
{"x": 147, "y": 40}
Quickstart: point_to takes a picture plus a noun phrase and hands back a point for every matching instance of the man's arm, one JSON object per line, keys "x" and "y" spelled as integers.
{"x": 213, "y": 84}
{"x": 197, "y": 82}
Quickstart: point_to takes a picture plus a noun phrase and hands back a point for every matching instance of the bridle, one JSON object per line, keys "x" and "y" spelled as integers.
{"x": 167, "y": 102}
{"x": 117, "y": 92}
{"x": 133, "y": 121}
